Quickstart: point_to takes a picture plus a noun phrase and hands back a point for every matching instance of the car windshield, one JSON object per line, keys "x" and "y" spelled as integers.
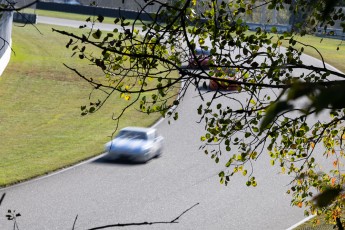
{"x": 202, "y": 52}
{"x": 132, "y": 135}
{"x": 229, "y": 71}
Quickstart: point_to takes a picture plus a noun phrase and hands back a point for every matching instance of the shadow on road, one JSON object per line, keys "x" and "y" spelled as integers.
{"x": 104, "y": 160}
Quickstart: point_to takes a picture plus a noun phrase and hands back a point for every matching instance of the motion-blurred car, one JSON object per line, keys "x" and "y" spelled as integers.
{"x": 202, "y": 58}
{"x": 224, "y": 73}
{"x": 135, "y": 144}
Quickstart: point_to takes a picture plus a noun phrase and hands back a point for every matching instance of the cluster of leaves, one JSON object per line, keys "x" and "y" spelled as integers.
{"x": 272, "y": 112}
{"x": 130, "y": 62}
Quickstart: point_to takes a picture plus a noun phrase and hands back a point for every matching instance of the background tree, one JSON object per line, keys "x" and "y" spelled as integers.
{"x": 277, "y": 94}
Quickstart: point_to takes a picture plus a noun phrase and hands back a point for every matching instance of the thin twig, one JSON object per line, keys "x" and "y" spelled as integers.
{"x": 174, "y": 221}
{"x": 75, "y": 221}
{"x": 2, "y": 198}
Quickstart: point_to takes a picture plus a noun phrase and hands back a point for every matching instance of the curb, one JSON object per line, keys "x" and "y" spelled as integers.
{"x": 301, "y": 222}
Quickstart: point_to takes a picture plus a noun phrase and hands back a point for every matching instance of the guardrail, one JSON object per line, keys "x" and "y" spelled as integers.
{"x": 24, "y": 18}
{"x": 5, "y": 39}
{"x": 92, "y": 10}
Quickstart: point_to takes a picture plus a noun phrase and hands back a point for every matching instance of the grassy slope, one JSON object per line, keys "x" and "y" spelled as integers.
{"x": 41, "y": 126}
{"x": 328, "y": 49}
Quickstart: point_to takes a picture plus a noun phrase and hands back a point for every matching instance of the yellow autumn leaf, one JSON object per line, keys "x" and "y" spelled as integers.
{"x": 194, "y": 2}
{"x": 335, "y": 163}
{"x": 312, "y": 145}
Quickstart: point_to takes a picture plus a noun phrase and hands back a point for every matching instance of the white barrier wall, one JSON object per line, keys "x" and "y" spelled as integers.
{"x": 5, "y": 39}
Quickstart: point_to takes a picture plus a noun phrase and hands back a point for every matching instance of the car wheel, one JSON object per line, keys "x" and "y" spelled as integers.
{"x": 159, "y": 153}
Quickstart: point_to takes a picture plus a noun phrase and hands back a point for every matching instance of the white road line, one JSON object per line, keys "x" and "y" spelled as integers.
{"x": 301, "y": 222}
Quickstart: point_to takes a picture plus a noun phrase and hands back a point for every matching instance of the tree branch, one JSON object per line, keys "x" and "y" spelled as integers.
{"x": 2, "y": 198}
{"x": 174, "y": 221}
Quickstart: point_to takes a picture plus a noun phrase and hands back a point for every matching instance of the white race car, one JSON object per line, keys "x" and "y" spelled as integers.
{"x": 135, "y": 144}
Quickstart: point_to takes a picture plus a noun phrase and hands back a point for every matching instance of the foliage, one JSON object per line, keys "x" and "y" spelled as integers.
{"x": 292, "y": 110}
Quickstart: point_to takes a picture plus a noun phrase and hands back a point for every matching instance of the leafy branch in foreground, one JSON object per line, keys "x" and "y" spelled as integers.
{"x": 286, "y": 108}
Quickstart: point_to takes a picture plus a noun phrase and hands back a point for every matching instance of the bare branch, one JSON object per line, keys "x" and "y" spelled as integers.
{"x": 174, "y": 221}
{"x": 2, "y": 198}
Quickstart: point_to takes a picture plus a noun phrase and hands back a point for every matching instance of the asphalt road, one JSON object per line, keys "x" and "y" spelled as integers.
{"x": 103, "y": 193}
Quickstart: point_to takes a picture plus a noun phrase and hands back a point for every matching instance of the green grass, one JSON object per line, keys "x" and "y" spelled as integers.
{"x": 309, "y": 225}
{"x": 41, "y": 126}
{"x": 328, "y": 49}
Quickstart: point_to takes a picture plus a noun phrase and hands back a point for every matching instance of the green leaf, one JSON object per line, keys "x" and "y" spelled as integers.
{"x": 100, "y": 18}
{"x": 97, "y": 34}
{"x": 175, "y": 116}
{"x": 200, "y": 110}
{"x": 247, "y": 135}
{"x": 228, "y": 164}
{"x": 92, "y": 109}
{"x": 69, "y": 43}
